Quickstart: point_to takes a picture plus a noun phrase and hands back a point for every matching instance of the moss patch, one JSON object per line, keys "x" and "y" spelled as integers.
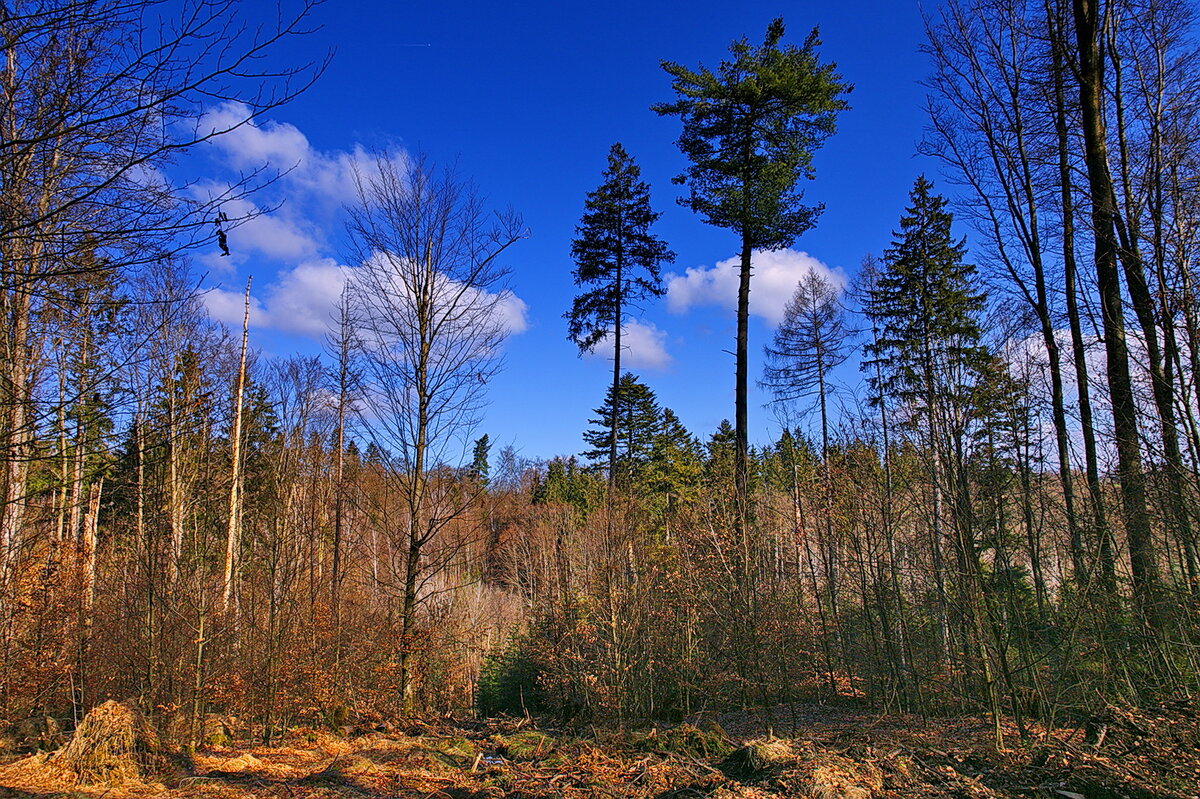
{"x": 685, "y": 740}
{"x": 526, "y": 745}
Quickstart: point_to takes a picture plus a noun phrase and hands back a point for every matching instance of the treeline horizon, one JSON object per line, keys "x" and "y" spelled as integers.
{"x": 992, "y": 522}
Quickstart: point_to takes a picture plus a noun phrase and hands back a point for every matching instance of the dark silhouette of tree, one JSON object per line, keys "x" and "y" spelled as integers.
{"x": 479, "y": 458}
{"x": 614, "y": 251}
{"x": 926, "y": 305}
{"x": 1091, "y": 26}
{"x": 926, "y": 301}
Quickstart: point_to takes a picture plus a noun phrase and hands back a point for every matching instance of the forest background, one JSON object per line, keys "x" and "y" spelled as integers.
{"x": 995, "y": 512}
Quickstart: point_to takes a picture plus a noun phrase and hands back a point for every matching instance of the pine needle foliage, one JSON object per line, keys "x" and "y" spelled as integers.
{"x": 750, "y": 129}
{"x": 926, "y": 302}
{"x": 615, "y": 253}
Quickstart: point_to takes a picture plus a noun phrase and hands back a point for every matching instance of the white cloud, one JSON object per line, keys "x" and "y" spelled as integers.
{"x": 643, "y": 346}
{"x": 513, "y": 313}
{"x": 252, "y": 144}
{"x": 284, "y": 234}
{"x": 387, "y": 283}
{"x": 296, "y": 193}
{"x": 327, "y": 177}
{"x": 274, "y": 235}
{"x": 304, "y": 300}
{"x": 285, "y": 224}
{"x": 775, "y": 275}
{"x": 227, "y": 307}
{"x": 301, "y": 300}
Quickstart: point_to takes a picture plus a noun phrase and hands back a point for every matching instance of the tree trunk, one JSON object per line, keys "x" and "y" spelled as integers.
{"x": 1144, "y": 565}
{"x": 742, "y": 455}
{"x": 233, "y": 530}
{"x": 1101, "y": 533}
{"x": 616, "y": 378}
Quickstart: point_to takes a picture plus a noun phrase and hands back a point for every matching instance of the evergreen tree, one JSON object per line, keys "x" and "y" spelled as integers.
{"x": 926, "y": 304}
{"x": 260, "y": 442}
{"x": 615, "y": 252}
{"x": 566, "y": 483}
{"x": 750, "y": 130}
{"x": 672, "y": 476}
{"x": 635, "y": 409}
{"x": 720, "y": 455}
{"x": 479, "y": 458}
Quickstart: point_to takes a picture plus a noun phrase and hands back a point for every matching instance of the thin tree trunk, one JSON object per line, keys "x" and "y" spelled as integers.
{"x": 89, "y": 542}
{"x": 742, "y": 454}
{"x": 1101, "y": 532}
{"x": 233, "y": 530}
{"x": 616, "y": 378}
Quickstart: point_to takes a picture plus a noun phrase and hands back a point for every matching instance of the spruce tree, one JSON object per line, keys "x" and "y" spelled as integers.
{"x": 635, "y": 408}
{"x": 750, "y": 129}
{"x": 673, "y": 475}
{"x": 616, "y": 254}
{"x": 926, "y": 304}
{"x": 479, "y": 458}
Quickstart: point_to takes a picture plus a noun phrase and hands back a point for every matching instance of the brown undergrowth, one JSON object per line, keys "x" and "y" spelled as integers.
{"x": 801, "y": 751}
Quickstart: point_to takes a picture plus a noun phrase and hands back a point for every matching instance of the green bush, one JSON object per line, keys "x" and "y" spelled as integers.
{"x": 508, "y": 681}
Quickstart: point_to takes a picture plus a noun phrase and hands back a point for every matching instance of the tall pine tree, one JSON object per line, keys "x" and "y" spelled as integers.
{"x": 617, "y": 255}
{"x": 750, "y": 129}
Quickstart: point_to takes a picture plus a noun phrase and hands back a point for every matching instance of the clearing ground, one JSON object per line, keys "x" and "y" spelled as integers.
{"x": 795, "y": 751}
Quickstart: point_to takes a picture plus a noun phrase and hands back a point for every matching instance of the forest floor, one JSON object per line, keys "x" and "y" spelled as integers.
{"x": 796, "y": 751}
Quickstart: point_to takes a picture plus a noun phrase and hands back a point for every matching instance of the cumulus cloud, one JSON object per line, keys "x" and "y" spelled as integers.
{"x": 284, "y": 226}
{"x": 643, "y": 346}
{"x": 252, "y": 144}
{"x": 277, "y": 236}
{"x": 512, "y": 312}
{"x": 303, "y": 300}
{"x": 227, "y": 307}
{"x": 386, "y": 287}
{"x": 327, "y": 176}
{"x": 776, "y": 273}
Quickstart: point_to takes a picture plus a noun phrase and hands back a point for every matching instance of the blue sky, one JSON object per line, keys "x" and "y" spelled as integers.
{"x": 527, "y": 98}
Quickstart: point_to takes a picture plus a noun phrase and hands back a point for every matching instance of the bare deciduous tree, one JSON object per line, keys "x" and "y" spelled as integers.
{"x": 431, "y": 312}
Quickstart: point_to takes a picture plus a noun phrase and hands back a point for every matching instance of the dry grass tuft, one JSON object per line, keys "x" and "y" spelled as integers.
{"x": 840, "y": 780}
{"x": 113, "y": 745}
{"x": 760, "y": 755}
{"x": 242, "y": 764}
{"x": 349, "y": 766}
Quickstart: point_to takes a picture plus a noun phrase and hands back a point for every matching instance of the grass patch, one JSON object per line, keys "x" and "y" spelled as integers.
{"x": 526, "y": 745}
{"x": 757, "y": 757}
